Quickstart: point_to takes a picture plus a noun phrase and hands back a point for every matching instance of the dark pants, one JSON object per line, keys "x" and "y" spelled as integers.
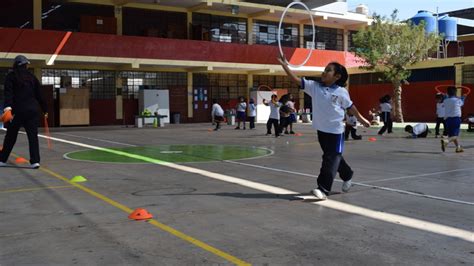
{"x": 424, "y": 134}
{"x": 333, "y": 162}
{"x": 30, "y": 123}
{"x": 218, "y": 120}
{"x": 252, "y": 122}
{"x": 439, "y": 121}
{"x": 274, "y": 122}
{"x": 352, "y": 131}
{"x": 387, "y": 122}
{"x": 284, "y": 121}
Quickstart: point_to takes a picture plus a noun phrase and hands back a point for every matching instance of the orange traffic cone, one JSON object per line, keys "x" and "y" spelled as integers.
{"x": 372, "y": 139}
{"x": 140, "y": 214}
{"x": 21, "y": 160}
{"x": 298, "y": 134}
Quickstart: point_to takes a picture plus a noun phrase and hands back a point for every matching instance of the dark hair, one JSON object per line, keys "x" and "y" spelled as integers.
{"x": 452, "y": 91}
{"x": 251, "y": 100}
{"x": 409, "y": 128}
{"x": 274, "y": 96}
{"x": 385, "y": 99}
{"x": 341, "y": 70}
{"x": 214, "y": 100}
{"x": 284, "y": 99}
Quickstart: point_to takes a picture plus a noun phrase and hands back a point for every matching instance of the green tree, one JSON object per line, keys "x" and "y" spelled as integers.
{"x": 389, "y": 46}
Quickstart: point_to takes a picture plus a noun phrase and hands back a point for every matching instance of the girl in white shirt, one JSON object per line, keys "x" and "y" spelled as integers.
{"x": 330, "y": 100}
{"x": 386, "y": 114}
{"x": 440, "y": 114}
{"x": 274, "y": 118}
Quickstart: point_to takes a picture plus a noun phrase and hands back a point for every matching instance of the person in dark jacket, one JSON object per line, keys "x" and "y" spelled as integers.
{"x": 23, "y": 98}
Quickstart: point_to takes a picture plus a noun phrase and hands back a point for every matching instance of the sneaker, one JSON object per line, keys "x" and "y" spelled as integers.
{"x": 319, "y": 194}
{"x": 286, "y": 132}
{"x": 35, "y": 165}
{"x": 444, "y": 144}
{"x": 436, "y": 136}
{"x": 237, "y": 128}
{"x": 268, "y": 134}
{"x": 292, "y": 132}
{"x": 2, "y": 164}
{"x": 459, "y": 149}
{"x": 346, "y": 186}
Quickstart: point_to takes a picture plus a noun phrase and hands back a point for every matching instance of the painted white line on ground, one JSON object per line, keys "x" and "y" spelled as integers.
{"x": 355, "y": 183}
{"x": 359, "y": 184}
{"x": 420, "y": 175}
{"x": 102, "y": 140}
{"x": 344, "y": 207}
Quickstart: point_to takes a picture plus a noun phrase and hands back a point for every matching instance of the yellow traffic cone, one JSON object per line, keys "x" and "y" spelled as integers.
{"x": 155, "y": 122}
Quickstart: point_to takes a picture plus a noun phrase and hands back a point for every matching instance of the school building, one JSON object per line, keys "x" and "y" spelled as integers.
{"x": 97, "y": 55}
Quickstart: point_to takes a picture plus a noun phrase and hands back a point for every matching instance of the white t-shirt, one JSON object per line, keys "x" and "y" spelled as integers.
{"x": 419, "y": 128}
{"x": 452, "y": 107}
{"x": 275, "y": 110}
{"x": 351, "y": 120}
{"x": 252, "y": 110}
{"x": 241, "y": 107}
{"x": 440, "y": 109}
{"x": 217, "y": 110}
{"x": 291, "y": 105}
{"x": 385, "y": 107}
{"x": 329, "y": 106}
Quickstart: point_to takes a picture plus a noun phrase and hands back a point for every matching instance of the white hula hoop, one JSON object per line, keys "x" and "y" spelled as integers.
{"x": 279, "y": 34}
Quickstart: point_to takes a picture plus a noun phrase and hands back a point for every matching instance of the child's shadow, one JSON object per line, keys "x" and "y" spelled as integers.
{"x": 290, "y": 197}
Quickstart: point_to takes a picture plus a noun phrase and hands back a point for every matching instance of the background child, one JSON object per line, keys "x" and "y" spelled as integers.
{"x": 292, "y": 118}
{"x": 440, "y": 114}
{"x": 252, "y": 113}
{"x": 385, "y": 113}
{"x": 241, "y": 108}
{"x": 284, "y": 114}
{"x": 274, "y": 117}
{"x": 452, "y": 115}
{"x": 351, "y": 127}
{"x": 330, "y": 100}
{"x": 420, "y": 130}
{"x": 218, "y": 114}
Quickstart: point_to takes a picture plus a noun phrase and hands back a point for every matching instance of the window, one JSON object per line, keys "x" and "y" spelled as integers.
{"x": 326, "y": 38}
{"x": 100, "y": 83}
{"x": 265, "y": 32}
{"x": 222, "y": 86}
{"x": 351, "y": 40}
{"x": 134, "y": 81}
{"x": 219, "y": 28}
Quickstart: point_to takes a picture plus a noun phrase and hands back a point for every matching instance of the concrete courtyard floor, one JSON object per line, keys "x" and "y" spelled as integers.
{"x": 411, "y": 204}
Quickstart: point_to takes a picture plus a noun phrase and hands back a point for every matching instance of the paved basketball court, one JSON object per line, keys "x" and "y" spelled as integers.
{"x": 412, "y": 204}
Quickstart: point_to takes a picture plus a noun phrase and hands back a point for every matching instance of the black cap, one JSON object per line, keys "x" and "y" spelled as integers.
{"x": 21, "y": 60}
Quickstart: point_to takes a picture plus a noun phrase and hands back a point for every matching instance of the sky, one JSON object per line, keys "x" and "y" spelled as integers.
{"x": 409, "y": 8}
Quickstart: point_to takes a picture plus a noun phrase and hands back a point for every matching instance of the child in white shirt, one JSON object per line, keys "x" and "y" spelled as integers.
{"x": 218, "y": 114}
{"x": 241, "y": 108}
{"x": 440, "y": 114}
{"x": 274, "y": 117}
{"x": 452, "y": 116}
{"x": 330, "y": 100}
{"x": 252, "y": 113}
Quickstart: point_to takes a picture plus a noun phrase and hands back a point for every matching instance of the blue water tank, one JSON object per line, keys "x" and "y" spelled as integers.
{"x": 428, "y": 18}
{"x": 448, "y": 28}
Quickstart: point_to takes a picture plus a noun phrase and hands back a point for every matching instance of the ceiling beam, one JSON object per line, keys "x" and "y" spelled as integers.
{"x": 262, "y": 13}
{"x": 261, "y": 71}
{"x": 204, "y": 5}
{"x": 200, "y": 69}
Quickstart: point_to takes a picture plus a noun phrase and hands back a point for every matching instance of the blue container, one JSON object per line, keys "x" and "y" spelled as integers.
{"x": 428, "y": 18}
{"x": 448, "y": 28}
